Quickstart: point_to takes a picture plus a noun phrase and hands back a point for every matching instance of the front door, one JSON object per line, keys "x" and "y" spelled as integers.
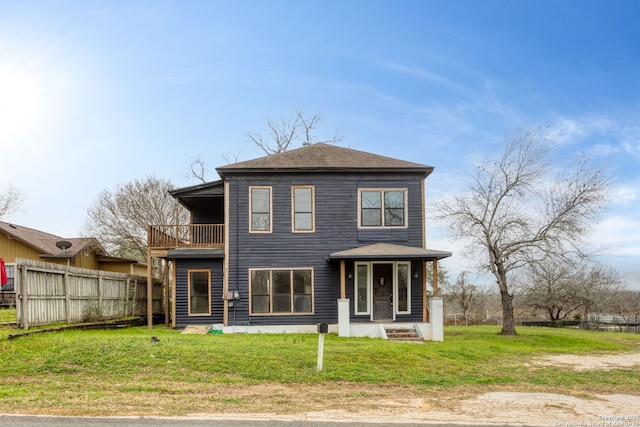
{"x": 382, "y": 291}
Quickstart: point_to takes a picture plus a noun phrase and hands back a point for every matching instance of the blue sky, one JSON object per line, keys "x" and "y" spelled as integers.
{"x": 97, "y": 93}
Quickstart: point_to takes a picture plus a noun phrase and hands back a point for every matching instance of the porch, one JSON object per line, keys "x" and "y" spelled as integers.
{"x": 164, "y": 237}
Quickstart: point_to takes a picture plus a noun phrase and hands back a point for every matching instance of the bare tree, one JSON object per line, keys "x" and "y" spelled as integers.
{"x": 282, "y": 134}
{"x": 600, "y": 285}
{"x": 119, "y": 219}
{"x": 554, "y": 286}
{"x": 465, "y": 294}
{"x": 10, "y": 200}
{"x": 513, "y": 211}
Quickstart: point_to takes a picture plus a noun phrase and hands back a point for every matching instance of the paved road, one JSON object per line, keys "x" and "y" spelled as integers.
{"x": 44, "y": 421}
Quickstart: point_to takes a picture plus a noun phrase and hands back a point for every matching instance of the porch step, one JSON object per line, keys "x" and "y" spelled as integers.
{"x": 402, "y": 334}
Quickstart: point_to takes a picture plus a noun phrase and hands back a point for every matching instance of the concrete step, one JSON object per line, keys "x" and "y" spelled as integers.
{"x": 402, "y": 334}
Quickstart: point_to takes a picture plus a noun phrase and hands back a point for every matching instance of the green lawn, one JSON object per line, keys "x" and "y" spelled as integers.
{"x": 124, "y": 372}
{"x": 7, "y": 315}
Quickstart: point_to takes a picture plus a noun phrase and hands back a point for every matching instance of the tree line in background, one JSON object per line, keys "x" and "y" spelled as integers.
{"x": 595, "y": 292}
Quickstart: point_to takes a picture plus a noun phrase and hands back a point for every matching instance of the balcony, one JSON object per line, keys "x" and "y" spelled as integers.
{"x": 185, "y": 236}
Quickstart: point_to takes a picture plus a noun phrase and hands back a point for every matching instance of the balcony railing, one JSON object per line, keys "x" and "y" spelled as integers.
{"x": 186, "y": 236}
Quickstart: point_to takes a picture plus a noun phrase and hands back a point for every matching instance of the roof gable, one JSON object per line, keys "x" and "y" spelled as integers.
{"x": 324, "y": 157}
{"x": 45, "y": 243}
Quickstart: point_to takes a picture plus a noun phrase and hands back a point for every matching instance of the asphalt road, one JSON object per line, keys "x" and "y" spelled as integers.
{"x": 46, "y": 421}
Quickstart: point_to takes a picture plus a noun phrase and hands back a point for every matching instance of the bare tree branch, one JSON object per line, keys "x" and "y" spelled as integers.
{"x": 10, "y": 200}
{"x": 286, "y": 132}
{"x": 119, "y": 219}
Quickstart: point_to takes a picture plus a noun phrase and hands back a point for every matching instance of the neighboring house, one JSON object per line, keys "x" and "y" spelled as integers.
{"x": 319, "y": 234}
{"x": 84, "y": 252}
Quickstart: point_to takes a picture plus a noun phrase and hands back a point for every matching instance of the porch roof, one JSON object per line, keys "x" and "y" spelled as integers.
{"x": 195, "y": 253}
{"x": 389, "y": 251}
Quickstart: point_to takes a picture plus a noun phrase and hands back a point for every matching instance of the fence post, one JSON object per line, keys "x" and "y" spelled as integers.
{"x": 24, "y": 292}
{"x": 67, "y": 297}
{"x": 127, "y": 286}
{"x": 100, "y": 296}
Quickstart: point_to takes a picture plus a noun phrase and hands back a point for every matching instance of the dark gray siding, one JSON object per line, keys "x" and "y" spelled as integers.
{"x": 182, "y": 267}
{"x": 336, "y": 229}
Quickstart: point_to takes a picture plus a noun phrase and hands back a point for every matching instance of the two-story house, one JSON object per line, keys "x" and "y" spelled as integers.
{"x": 318, "y": 234}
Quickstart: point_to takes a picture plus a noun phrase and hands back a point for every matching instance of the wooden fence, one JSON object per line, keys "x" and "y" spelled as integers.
{"x": 53, "y": 293}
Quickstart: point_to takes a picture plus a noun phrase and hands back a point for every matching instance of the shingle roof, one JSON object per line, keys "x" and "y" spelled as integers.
{"x": 45, "y": 243}
{"x": 324, "y": 157}
{"x": 389, "y": 251}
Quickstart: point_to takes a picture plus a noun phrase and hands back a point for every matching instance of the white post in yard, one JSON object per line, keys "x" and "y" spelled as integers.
{"x": 323, "y": 328}
{"x": 320, "y": 351}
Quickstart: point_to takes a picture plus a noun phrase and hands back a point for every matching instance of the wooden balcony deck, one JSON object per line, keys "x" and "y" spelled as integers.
{"x": 185, "y": 236}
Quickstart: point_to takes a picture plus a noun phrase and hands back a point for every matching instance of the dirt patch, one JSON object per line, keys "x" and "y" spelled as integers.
{"x": 493, "y": 408}
{"x": 588, "y": 363}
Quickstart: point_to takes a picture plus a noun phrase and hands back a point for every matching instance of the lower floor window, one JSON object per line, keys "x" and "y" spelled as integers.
{"x": 199, "y": 292}
{"x": 281, "y": 291}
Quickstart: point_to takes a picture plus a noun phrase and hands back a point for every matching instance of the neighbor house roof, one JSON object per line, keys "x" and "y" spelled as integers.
{"x": 323, "y": 157}
{"x": 45, "y": 243}
{"x": 388, "y": 251}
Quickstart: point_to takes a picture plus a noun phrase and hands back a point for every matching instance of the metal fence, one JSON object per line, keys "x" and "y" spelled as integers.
{"x": 49, "y": 293}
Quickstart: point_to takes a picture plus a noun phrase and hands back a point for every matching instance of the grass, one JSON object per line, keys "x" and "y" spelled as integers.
{"x": 124, "y": 372}
{"x": 8, "y": 315}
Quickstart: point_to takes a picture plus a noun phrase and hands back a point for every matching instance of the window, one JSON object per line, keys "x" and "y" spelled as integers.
{"x": 260, "y": 207}
{"x": 281, "y": 291}
{"x": 403, "y": 293}
{"x": 199, "y": 292}
{"x": 8, "y": 287}
{"x": 303, "y": 209}
{"x": 362, "y": 289}
{"x": 382, "y": 208}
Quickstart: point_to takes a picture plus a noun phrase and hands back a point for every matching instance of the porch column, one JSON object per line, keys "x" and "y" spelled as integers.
{"x": 425, "y": 312}
{"x": 149, "y": 291}
{"x": 436, "y": 315}
{"x": 435, "y": 277}
{"x": 343, "y": 304}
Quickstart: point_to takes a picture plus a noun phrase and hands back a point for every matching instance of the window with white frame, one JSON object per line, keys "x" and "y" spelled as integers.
{"x": 382, "y": 208}
{"x": 403, "y": 288}
{"x": 260, "y": 208}
{"x": 361, "y": 291}
{"x": 302, "y": 209}
{"x": 281, "y": 291}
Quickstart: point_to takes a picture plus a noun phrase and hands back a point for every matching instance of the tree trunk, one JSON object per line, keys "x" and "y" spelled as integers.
{"x": 508, "y": 321}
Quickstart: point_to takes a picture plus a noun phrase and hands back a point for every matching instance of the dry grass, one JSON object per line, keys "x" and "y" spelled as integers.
{"x": 125, "y": 373}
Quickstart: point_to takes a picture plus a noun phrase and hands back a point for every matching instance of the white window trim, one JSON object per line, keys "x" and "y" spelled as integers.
{"x": 383, "y": 190}
{"x": 395, "y": 287}
{"x": 368, "y": 312}
{"x": 270, "y": 230}
{"x": 370, "y": 265}
{"x": 313, "y": 209}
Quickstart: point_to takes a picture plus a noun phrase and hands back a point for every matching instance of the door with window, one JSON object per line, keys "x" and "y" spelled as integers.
{"x": 383, "y": 291}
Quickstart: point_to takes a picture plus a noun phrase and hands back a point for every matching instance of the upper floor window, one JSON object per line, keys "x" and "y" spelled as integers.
{"x": 303, "y": 204}
{"x": 382, "y": 208}
{"x": 260, "y": 208}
